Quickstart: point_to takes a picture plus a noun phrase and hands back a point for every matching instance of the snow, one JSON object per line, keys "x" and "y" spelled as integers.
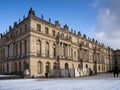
{"x": 100, "y": 82}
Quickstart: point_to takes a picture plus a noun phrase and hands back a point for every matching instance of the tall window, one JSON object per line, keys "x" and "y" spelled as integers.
{"x": 20, "y": 66}
{"x": 20, "y": 48}
{"x": 46, "y": 30}
{"x": 55, "y": 66}
{"x": 7, "y": 68}
{"x": 74, "y": 54}
{"x": 39, "y": 27}
{"x": 54, "y": 50}
{"x": 20, "y": 31}
{"x": 25, "y": 46}
{"x": 39, "y": 67}
{"x": 66, "y": 66}
{"x": 53, "y": 32}
{"x": 8, "y": 50}
{"x": 38, "y": 47}
{"x": 16, "y": 49}
{"x": 15, "y": 67}
{"x": 48, "y": 67}
{"x": 25, "y": 27}
{"x": 47, "y": 49}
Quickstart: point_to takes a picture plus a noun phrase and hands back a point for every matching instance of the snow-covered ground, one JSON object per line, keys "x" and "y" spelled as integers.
{"x": 100, "y": 82}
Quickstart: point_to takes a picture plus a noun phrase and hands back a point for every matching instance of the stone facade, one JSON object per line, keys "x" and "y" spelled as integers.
{"x": 40, "y": 47}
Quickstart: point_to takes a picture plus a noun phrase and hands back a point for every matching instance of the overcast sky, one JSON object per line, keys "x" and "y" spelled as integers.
{"x": 99, "y": 19}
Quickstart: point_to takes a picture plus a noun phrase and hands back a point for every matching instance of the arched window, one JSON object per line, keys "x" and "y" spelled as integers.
{"x": 39, "y": 67}
{"x": 38, "y": 47}
{"x": 66, "y": 66}
{"x": 48, "y": 67}
{"x": 25, "y": 46}
{"x": 55, "y": 66}
{"x": 47, "y": 49}
{"x": 54, "y": 50}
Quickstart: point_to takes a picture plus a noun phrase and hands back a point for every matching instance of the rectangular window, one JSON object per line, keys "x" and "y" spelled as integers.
{"x": 46, "y": 30}
{"x": 25, "y": 27}
{"x": 53, "y": 32}
{"x": 39, "y": 27}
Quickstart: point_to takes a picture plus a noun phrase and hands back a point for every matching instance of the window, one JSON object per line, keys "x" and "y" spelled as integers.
{"x": 16, "y": 49}
{"x": 20, "y": 31}
{"x": 66, "y": 66}
{"x": 7, "y": 68}
{"x": 47, "y": 49}
{"x": 54, "y": 50}
{"x": 25, "y": 27}
{"x": 48, "y": 67}
{"x": 38, "y": 47}
{"x": 55, "y": 66}
{"x": 53, "y": 32}
{"x": 46, "y": 30}
{"x": 20, "y": 48}
{"x": 74, "y": 54}
{"x": 20, "y": 66}
{"x": 25, "y": 46}
{"x": 39, "y": 67}
{"x": 62, "y": 35}
{"x": 39, "y": 27}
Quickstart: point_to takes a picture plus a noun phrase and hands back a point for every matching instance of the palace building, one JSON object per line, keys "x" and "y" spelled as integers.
{"x": 40, "y": 47}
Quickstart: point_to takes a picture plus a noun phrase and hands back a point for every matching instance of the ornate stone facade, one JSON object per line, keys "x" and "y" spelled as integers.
{"x": 40, "y": 46}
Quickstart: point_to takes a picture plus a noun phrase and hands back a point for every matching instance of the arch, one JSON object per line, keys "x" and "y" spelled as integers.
{"x": 66, "y": 66}
{"x": 48, "y": 67}
{"x": 39, "y": 67}
{"x": 55, "y": 65}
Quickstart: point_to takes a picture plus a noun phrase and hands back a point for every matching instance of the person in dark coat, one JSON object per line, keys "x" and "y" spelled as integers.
{"x": 116, "y": 71}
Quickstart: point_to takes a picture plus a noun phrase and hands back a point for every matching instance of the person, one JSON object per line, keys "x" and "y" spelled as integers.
{"x": 116, "y": 71}
{"x": 46, "y": 74}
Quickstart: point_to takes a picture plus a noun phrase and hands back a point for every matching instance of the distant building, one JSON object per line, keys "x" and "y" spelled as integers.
{"x": 41, "y": 47}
